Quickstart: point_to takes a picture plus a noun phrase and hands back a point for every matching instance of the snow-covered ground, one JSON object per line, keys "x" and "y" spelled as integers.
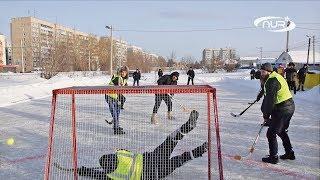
{"x": 25, "y": 104}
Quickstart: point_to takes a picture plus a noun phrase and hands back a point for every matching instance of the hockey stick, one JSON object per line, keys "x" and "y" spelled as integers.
{"x": 185, "y": 109}
{"x": 238, "y": 157}
{"x": 109, "y": 122}
{"x": 58, "y": 166}
{"x": 238, "y": 115}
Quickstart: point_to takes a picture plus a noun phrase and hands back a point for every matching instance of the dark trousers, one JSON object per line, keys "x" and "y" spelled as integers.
{"x": 122, "y": 100}
{"x": 114, "y": 109}
{"x": 280, "y": 121}
{"x": 292, "y": 86}
{"x": 158, "y": 100}
{"x": 301, "y": 83}
{"x": 252, "y": 76}
{"x": 134, "y": 82}
{"x": 190, "y": 78}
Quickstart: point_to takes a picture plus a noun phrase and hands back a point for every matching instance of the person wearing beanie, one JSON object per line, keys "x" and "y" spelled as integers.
{"x": 157, "y": 164}
{"x": 191, "y": 75}
{"x": 164, "y": 80}
{"x": 302, "y": 76}
{"x": 291, "y": 76}
{"x": 277, "y": 108}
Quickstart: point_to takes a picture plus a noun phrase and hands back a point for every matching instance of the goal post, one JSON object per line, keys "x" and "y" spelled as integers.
{"x": 80, "y": 132}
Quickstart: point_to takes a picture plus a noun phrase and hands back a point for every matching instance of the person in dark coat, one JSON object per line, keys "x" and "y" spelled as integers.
{"x": 164, "y": 80}
{"x": 277, "y": 108}
{"x": 136, "y": 77}
{"x": 160, "y": 73}
{"x": 291, "y": 75}
{"x": 190, "y": 74}
{"x": 157, "y": 164}
{"x": 252, "y": 73}
{"x": 302, "y": 76}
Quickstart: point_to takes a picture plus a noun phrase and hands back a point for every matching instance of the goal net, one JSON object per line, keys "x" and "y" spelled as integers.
{"x": 84, "y": 133}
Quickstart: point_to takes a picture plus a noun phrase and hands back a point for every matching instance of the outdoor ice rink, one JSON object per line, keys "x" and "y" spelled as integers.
{"x": 27, "y": 122}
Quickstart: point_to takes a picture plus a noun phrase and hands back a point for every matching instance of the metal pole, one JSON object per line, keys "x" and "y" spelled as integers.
{"x": 287, "y": 44}
{"x": 308, "y": 49}
{"x": 314, "y": 58}
{"x": 111, "y": 50}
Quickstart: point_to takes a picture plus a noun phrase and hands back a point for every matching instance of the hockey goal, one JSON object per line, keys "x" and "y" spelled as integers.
{"x": 79, "y": 132}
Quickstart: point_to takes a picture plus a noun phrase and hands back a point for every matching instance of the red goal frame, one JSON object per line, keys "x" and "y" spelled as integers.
{"x": 179, "y": 89}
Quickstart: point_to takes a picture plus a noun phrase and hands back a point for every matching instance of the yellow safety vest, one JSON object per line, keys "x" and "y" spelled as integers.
{"x": 129, "y": 166}
{"x": 115, "y": 96}
{"x": 284, "y": 92}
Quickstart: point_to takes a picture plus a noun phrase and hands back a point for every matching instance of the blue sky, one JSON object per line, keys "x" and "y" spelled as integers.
{"x": 92, "y": 17}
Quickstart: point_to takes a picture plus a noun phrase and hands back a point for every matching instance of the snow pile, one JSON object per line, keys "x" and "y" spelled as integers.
{"x": 19, "y": 88}
{"x": 312, "y": 95}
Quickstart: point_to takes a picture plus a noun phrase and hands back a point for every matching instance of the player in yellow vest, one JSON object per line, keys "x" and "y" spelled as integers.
{"x": 126, "y": 165}
{"x": 115, "y": 100}
{"x": 277, "y": 108}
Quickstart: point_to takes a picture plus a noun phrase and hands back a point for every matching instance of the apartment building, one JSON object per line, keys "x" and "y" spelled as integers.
{"x": 121, "y": 48}
{"x": 33, "y": 39}
{"x": 223, "y": 54}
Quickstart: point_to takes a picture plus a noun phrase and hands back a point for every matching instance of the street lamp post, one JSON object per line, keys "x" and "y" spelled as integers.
{"x": 309, "y": 41}
{"x": 110, "y": 27}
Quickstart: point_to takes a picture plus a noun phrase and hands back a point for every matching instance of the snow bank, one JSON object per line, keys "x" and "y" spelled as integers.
{"x": 15, "y": 88}
{"x": 312, "y": 95}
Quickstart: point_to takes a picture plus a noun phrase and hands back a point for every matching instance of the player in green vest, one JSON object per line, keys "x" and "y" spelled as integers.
{"x": 116, "y": 100}
{"x": 277, "y": 108}
{"x": 126, "y": 165}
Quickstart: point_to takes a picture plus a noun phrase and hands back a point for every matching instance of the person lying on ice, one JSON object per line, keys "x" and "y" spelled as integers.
{"x": 149, "y": 165}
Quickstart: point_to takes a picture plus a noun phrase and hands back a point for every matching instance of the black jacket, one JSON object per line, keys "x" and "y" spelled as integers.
{"x": 302, "y": 72}
{"x": 252, "y": 72}
{"x": 136, "y": 75}
{"x": 160, "y": 73}
{"x": 190, "y": 73}
{"x": 291, "y": 73}
{"x": 166, "y": 80}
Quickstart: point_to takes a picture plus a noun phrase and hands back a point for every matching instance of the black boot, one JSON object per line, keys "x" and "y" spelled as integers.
{"x": 289, "y": 155}
{"x": 118, "y": 131}
{"x": 271, "y": 159}
{"x": 191, "y": 123}
{"x": 198, "y": 151}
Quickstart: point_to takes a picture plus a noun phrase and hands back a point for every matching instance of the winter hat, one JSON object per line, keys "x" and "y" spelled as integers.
{"x": 291, "y": 64}
{"x": 176, "y": 74}
{"x": 267, "y": 67}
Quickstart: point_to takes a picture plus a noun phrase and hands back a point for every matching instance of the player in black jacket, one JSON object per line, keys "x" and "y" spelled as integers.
{"x": 190, "y": 74}
{"x": 164, "y": 80}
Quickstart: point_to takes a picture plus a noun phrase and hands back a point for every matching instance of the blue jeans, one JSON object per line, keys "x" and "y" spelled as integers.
{"x": 114, "y": 108}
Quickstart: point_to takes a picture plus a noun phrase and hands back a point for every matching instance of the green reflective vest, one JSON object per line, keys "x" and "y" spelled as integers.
{"x": 284, "y": 92}
{"x": 120, "y": 82}
{"x": 129, "y": 166}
